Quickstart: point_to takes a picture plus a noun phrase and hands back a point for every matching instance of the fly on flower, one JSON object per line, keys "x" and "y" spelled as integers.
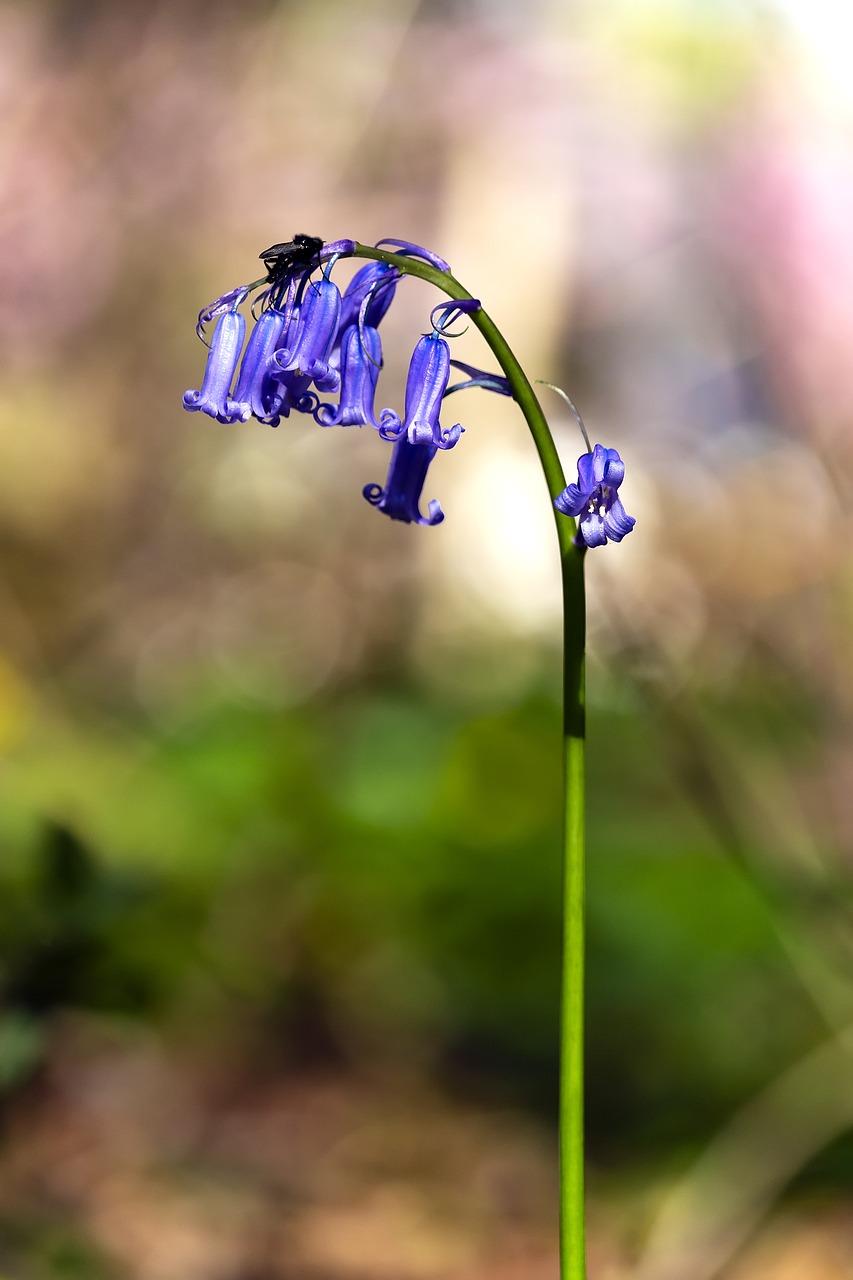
{"x": 291, "y": 257}
{"x": 289, "y": 346}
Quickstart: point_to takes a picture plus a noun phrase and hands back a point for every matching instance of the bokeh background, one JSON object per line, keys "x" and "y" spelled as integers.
{"x": 279, "y": 793}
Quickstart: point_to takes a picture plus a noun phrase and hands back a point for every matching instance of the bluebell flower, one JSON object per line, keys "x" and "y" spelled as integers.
{"x": 291, "y": 388}
{"x": 400, "y": 498}
{"x": 256, "y": 392}
{"x": 429, "y": 373}
{"x": 374, "y": 284}
{"x": 361, "y": 360}
{"x": 308, "y": 353}
{"x": 292, "y": 392}
{"x": 595, "y": 500}
{"x": 226, "y": 345}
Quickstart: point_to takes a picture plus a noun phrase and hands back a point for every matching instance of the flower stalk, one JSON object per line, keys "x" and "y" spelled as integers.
{"x": 309, "y": 333}
{"x": 571, "y": 1122}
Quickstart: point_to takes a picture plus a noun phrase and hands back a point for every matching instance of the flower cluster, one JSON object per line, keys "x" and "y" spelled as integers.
{"x": 309, "y": 342}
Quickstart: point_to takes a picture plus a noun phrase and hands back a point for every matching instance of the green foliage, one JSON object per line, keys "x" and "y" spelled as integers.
{"x": 378, "y": 879}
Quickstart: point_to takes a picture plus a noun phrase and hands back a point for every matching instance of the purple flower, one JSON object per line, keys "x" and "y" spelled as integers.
{"x": 335, "y": 248}
{"x": 375, "y": 284}
{"x": 214, "y": 398}
{"x": 307, "y": 353}
{"x": 410, "y": 250}
{"x": 256, "y": 391}
{"x": 361, "y": 360}
{"x": 228, "y": 302}
{"x": 480, "y": 378}
{"x": 406, "y": 475}
{"x": 595, "y": 500}
{"x": 429, "y": 372}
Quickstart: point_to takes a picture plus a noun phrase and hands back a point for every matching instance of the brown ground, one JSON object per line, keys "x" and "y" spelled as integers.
{"x": 153, "y": 1169}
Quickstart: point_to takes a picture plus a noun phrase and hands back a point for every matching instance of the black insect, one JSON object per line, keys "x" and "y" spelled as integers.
{"x": 284, "y": 261}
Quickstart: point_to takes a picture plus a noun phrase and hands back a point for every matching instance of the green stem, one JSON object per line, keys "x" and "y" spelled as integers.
{"x": 572, "y": 1221}
{"x": 572, "y": 1218}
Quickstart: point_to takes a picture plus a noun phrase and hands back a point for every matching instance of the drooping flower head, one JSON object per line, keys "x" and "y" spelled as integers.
{"x": 303, "y": 338}
{"x": 594, "y": 499}
{"x": 308, "y": 339}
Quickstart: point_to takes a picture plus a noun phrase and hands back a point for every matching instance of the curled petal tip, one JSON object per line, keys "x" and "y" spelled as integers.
{"x": 450, "y": 437}
{"x": 390, "y": 426}
{"x": 617, "y": 522}
{"x": 571, "y": 501}
{"x": 420, "y": 433}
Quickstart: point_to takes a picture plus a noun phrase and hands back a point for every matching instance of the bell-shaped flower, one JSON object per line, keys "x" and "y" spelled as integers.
{"x": 291, "y": 390}
{"x": 225, "y": 347}
{"x": 309, "y": 350}
{"x": 282, "y": 392}
{"x": 400, "y": 498}
{"x": 429, "y": 373}
{"x": 594, "y": 499}
{"x": 374, "y": 285}
{"x": 361, "y": 360}
{"x": 256, "y": 391}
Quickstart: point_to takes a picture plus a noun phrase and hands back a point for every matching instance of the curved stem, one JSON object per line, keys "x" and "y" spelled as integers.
{"x": 572, "y": 1220}
{"x": 522, "y": 388}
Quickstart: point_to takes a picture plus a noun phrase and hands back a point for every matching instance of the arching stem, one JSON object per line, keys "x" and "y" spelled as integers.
{"x": 572, "y": 1218}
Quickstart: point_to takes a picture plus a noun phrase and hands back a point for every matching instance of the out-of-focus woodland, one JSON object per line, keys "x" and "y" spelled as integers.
{"x": 280, "y": 783}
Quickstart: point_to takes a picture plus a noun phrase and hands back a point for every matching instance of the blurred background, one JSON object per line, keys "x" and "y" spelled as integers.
{"x": 279, "y": 792}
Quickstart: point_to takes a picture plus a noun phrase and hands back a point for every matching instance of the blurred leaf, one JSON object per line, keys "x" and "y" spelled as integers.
{"x": 21, "y": 1045}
